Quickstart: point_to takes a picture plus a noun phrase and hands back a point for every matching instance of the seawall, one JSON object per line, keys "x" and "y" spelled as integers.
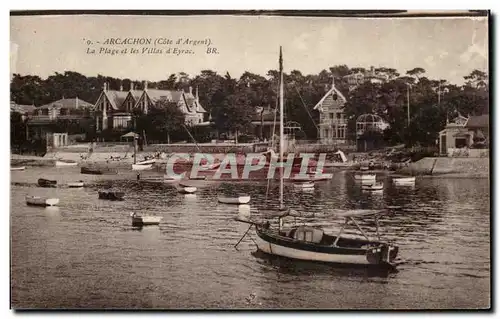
{"x": 449, "y": 167}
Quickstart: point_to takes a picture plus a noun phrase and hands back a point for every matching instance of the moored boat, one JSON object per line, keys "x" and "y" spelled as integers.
{"x": 404, "y": 180}
{"x": 42, "y": 182}
{"x": 187, "y": 189}
{"x": 311, "y": 243}
{"x": 237, "y": 200}
{"x": 146, "y": 162}
{"x": 373, "y": 187}
{"x": 111, "y": 195}
{"x": 76, "y": 184}
{"x": 141, "y": 167}
{"x": 64, "y": 163}
{"x": 362, "y": 177}
{"x": 98, "y": 171}
{"x": 18, "y": 168}
{"x": 41, "y": 201}
{"x": 145, "y": 220}
{"x": 303, "y": 185}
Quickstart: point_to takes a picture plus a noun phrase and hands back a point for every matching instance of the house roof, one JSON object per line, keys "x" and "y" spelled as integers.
{"x": 74, "y": 103}
{"x": 116, "y": 98}
{"x": 136, "y": 94}
{"x": 332, "y": 90}
{"x": 20, "y": 108}
{"x": 157, "y": 95}
{"x": 481, "y": 121}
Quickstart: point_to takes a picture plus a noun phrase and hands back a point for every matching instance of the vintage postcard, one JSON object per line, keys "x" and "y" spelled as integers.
{"x": 250, "y": 160}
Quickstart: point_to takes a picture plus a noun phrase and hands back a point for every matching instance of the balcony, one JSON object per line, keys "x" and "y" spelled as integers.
{"x": 45, "y": 119}
{"x": 332, "y": 122}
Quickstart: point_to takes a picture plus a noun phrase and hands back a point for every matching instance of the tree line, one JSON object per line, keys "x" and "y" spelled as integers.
{"x": 232, "y": 102}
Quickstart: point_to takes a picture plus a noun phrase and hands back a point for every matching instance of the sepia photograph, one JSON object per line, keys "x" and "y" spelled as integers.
{"x": 254, "y": 160}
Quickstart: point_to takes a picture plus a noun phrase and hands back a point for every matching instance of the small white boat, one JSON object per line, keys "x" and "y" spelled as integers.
{"x": 305, "y": 185}
{"x": 63, "y": 163}
{"x": 144, "y": 220}
{"x": 373, "y": 187}
{"x": 76, "y": 184}
{"x": 235, "y": 200}
{"x": 146, "y": 162}
{"x": 404, "y": 180}
{"x": 141, "y": 167}
{"x": 361, "y": 177}
{"x": 19, "y": 168}
{"x": 364, "y": 168}
{"x": 41, "y": 201}
{"x": 187, "y": 190}
{"x": 168, "y": 178}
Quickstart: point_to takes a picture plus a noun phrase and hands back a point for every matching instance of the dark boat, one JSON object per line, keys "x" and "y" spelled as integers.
{"x": 42, "y": 182}
{"x": 98, "y": 171}
{"x": 111, "y": 195}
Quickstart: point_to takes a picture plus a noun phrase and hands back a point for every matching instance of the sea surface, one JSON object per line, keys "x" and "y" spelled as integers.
{"x": 86, "y": 254}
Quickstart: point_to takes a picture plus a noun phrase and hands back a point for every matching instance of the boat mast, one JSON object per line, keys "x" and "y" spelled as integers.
{"x": 281, "y": 127}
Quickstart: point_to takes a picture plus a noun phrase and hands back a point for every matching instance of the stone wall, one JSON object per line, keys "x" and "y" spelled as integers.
{"x": 446, "y": 166}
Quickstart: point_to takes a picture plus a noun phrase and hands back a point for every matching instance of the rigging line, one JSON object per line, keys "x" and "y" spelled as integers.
{"x": 305, "y": 107}
{"x": 272, "y": 144}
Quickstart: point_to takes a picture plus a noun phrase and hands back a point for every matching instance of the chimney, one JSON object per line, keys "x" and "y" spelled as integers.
{"x": 76, "y": 102}
{"x": 132, "y": 86}
{"x": 145, "y": 85}
{"x": 105, "y": 86}
{"x": 121, "y": 86}
{"x": 190, "y": 89}
{"x": 197, "y": 97}
{"x": 333, "y": 82}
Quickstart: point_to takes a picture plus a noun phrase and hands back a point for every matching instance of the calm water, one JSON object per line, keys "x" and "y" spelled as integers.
{"x": 85, "y": 254}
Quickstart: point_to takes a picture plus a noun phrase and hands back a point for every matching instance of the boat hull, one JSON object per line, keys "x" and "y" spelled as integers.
{"x": 20, "y": 168}
{"x": 235, "y": 200}
{"x": 75, "y": 185}
{"x": 335, "y": 255}
{"x": 65, "y": 164}
{"x": 404, "y": 181}
{"x": 141, "y": 167}
{"x": 111, "y": 195}
{"x": 365, "y": 177}
{"x": 146, "y": 220}
{"x": 46, "y": 183}
{"x": 41, "y": 201}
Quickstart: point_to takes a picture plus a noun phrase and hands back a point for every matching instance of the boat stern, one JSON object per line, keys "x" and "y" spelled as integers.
{"x": 382, "y": 254}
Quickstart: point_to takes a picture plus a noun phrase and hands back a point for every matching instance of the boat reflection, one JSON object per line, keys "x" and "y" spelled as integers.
{"x": 302, "y": 267}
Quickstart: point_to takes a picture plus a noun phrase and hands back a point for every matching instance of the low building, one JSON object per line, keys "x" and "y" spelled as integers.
{"x": 332, "y": 118}
{"x": 24, "y": 110}
{"x": 44, "y": 118}
{"x": 463, "y": 135}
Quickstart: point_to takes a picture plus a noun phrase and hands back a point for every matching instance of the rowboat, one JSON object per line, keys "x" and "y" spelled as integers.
{"x": 41, "y": 201}
{"x": 364, "y": 168}
{"x": 198, "y": 178}
{"x": 234, "y": 200}
{"x": 187, "y": 189}
{"x": 144, "y": 220}
{"x": 98, "y": 171}
{"x": 168, "y": 178}
{"x": 18, "y": 168}
{"x": 361, "y": 177}
{"x": 373, "y": 187}
{"x": 404, "y": 180}
{"x": 42, "y": 182}
{"x": 311, "y": 243}
{"x": 76, "y": 184}
{"x": 111, "y": 195}
{"x": 64, "y": 163}
{"x": 141, "y": 167}
{"x": 304, "y": 185}
{"x": 146, "y": 162}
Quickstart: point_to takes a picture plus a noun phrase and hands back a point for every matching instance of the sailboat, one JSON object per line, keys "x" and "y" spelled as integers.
{"x": 311, "y": 243}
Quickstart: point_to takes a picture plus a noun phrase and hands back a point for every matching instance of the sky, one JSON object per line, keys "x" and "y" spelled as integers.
{"x": 447, "y": 48}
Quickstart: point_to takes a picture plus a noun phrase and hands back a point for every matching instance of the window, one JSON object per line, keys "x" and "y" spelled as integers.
{"x": 327, "y": 133}
{"x": 45, "y": 112}
{"x": 460, "y": 142}
{"x": 332, "y": 115}
{"x": 121, "y": 121}
{"x": 63, "y": 111}
{"x": 339, "y": 116}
